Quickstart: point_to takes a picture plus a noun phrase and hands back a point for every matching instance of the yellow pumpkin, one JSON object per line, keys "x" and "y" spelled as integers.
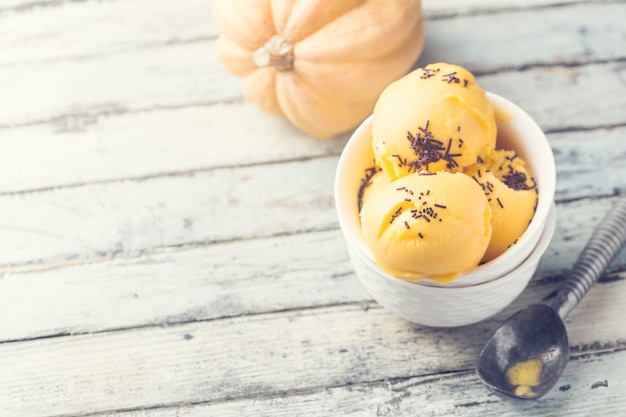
{"x": 320, "y": 63}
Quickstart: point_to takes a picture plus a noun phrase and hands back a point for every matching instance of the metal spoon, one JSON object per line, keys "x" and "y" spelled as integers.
{"x": 526, "y": 356}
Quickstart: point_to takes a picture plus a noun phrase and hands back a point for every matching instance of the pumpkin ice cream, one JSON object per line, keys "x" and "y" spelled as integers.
{"x": 440, "y": 199}
{"x": 427, "y": 225}
{"x": 435, "y": 118}
{"x": 512, "y": 195}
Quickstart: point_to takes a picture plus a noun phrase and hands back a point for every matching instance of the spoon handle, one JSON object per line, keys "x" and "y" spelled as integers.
{"x": 605, "y": 242}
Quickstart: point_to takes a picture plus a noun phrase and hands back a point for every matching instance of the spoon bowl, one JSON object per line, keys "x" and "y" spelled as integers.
{"x": 534, "y": 342}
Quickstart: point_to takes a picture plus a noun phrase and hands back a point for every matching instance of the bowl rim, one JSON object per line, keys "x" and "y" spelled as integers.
{"x": 350, "y": 224}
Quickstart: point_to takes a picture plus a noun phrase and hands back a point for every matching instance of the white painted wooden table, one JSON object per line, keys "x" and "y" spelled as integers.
{"x": 166, "y": 249}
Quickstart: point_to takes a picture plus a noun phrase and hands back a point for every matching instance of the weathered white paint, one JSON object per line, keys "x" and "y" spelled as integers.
{"x": 437, "y": 8}
{"x": 589, "y": 386}
{"x": 200, "y": 283}
{"x": 219, "y": 280}
{"x": 132, "y": 216}
{"x": 83, "y": 149}
{"x": 256, "y": 355}
{"x": 83, "y": 30}
{"x": 188, "y": 73}
{"x": 211, "y": 282}
{"x": 564, "y": 94}
{"x": 167, "y": 249}
{"x": 167, "y": 76}
{"x": 530, "y": 37}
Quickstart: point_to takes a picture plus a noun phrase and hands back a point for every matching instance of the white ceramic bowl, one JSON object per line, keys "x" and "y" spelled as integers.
{"x": 490, "y": 287}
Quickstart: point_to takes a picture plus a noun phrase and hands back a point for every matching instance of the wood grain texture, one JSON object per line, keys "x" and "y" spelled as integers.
{"x": 230, "y": 279}
{"x": 159, "y": 77}
{"x": 186, "y": 73}
{"x": 260, "y": 355}
{"x": 82, "y": 30}
{"x": 106, "y": 219}
{"x": 84, "y": 149}
{"x": 590, "y": 385}
{"x": 568, "y": 34}
{"x": 133, "y": 216}
{"x": 200, "y": 283}
{"x": 80, "y": 148}
{"x": 167, "y": 249}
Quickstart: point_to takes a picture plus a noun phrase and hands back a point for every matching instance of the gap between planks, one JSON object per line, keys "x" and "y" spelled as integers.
{"x": 37, "y": 265}
{"x": 598, "y": 49}
{"x": 408, "y": 379}
{"x": 332, "y": 148}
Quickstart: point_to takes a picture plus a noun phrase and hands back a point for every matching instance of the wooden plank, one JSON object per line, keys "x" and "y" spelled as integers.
{"x": 158, "y": 77}
{"x": 436, "y": 9}
{"x": 270, "y": 354}
{"x": 133, "y": 216}
{"x": 80, "y": 149}
{"x": 557, "y": 97}
{"x": 84, "y": 29}
{"x": 106, "y": 219}
{"x": 575, "y": 224}
{"x": 86, "y": 148}
{"x": 590, "y": 155}
{"x": 202, "y": 283}
{"x": 230, "y": 279}
{"x": 12, "y": 6}
{"x": 590, "y": 385}
{"x": 557, "y": 35}
{"x": 188, "y": 74}
{"x": 427, "y": 5}
{"x": 53, "y": 29}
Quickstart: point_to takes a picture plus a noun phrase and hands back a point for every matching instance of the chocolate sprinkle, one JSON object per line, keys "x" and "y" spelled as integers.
{"x": 396, "y": 214}
{"x": 366, "y": 181}
{"x": 429, "y": 150}
{"x": 428, "y": 73}
{"x": 517, "y": 181}
{"x": 451, "y": 78}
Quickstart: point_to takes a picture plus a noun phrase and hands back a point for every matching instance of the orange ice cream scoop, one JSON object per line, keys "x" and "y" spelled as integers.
{"x": 434, "y": 118}
{"x": 512, "y": 195}
{"x": 434, "y": 225}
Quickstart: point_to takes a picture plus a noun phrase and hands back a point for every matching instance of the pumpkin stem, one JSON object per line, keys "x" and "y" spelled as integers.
{"x": 276, "y": 53}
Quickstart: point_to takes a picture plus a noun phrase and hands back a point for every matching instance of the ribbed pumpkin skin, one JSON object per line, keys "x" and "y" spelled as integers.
{"x": 320, "y": 63}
